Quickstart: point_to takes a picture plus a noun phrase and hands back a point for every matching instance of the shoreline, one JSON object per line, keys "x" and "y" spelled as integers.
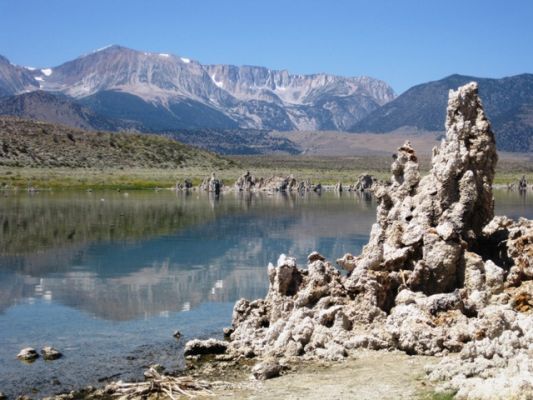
{"x": 368, "y": 374}
{"x": 504, "y": 183}
{"x": 323, "y": 170}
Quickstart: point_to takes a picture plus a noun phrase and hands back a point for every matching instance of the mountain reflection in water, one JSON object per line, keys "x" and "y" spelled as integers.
{"x": 121, "y": 257}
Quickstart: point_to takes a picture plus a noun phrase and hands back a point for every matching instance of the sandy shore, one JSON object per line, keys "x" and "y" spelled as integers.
{"x": 369, "y": 375}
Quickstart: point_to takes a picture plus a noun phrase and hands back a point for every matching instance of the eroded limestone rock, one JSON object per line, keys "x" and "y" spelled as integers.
{"x": 185, "y": 185}
{"x": 279, "y": 184}
{"x": 268, "y": 369}
{"x": 522, "y": 183}
{"x": 49, "y": 353}
{"x": 364, "y": 182}
{"x": 203, "y": 347}
{"x": 211, "y": 184}
{"x": 28, "y": 354}
{"x": 247, "y": 182}
{"x": 276, "y": 183}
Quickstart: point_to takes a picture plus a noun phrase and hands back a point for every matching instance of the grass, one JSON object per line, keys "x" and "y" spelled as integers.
{"x": 87, "y": 178}
{"x": 326, "y": 170}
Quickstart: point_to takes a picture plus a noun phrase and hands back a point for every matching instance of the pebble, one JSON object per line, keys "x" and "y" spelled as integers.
{"x": 28, "y": 354}
{"x": 49, "y": 353}
{"x": 266, "y": 370}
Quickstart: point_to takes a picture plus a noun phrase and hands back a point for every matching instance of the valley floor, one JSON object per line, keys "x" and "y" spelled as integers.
{"x": 318, "y": 169}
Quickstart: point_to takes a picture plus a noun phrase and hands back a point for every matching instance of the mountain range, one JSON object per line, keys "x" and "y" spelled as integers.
{"x": 228, "y": 108}
{"x": 166, "y": 92}
{"x": 508, "y": 103}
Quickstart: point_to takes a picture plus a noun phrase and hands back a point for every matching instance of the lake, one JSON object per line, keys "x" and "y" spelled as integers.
{"x": 107, "y": 277}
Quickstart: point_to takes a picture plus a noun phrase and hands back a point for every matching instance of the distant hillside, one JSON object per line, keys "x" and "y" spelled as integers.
{"x": 237, "y": 141}
{"x": 508, "y": 103}
{"x": 27, "y": 143}
{"x": 183, "y": 114}
{"x": 58, "y": 109}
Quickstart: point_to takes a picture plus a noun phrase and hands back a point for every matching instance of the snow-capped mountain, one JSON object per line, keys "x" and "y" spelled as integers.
{"x": 317, "y": 101}
{"x": 15, "y": 79}
{"x": 164, "y": 92}
{"x": 154, "y": 77}
{"x": 259, "y": 83}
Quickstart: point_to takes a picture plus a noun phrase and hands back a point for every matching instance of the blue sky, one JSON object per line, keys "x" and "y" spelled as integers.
{"x": 404, "y": 42}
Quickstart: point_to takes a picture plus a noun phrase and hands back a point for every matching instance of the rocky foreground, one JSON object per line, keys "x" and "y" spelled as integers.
{"x": 440, "y": 275}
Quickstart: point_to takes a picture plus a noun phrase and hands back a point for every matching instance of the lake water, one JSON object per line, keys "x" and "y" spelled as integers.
{"x": 108, "y": 277}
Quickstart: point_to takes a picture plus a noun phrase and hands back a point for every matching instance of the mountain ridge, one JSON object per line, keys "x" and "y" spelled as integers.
{"x": 508, "y": 102}
{"x": 273, "y": 99}
{"x": 126, "y": 89}
{"x": 59, "y": 109}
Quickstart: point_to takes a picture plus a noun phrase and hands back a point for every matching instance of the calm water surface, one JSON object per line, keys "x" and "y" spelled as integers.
{"x": 107, "y": 277}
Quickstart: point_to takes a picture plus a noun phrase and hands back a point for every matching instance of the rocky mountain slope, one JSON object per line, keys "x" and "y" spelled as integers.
{"x": 318, "y": 101}
{"x": 15, "y": 79}
{"x": 59, "y": 109}
{"x": 38, "y": 144}
{"x": 507, "y": 101}
{"x": 186, "y": 94}
{"x": 237, "y": 141}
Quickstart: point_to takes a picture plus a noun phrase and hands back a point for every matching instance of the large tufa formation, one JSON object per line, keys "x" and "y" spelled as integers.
{"x": 424, "y": 225}
{"x": 438, "y": 275}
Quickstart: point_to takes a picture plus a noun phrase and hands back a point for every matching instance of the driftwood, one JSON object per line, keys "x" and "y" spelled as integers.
{"x": 166, "y": 385}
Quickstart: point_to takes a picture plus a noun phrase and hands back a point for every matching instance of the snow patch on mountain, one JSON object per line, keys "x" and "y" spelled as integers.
{"x": 214, "y": 79}
{"x": 103, "y": 48}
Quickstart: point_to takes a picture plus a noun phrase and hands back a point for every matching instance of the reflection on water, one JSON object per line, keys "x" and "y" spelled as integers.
{"x": 101, "y": 275}
{"x": 121, "y": 258}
